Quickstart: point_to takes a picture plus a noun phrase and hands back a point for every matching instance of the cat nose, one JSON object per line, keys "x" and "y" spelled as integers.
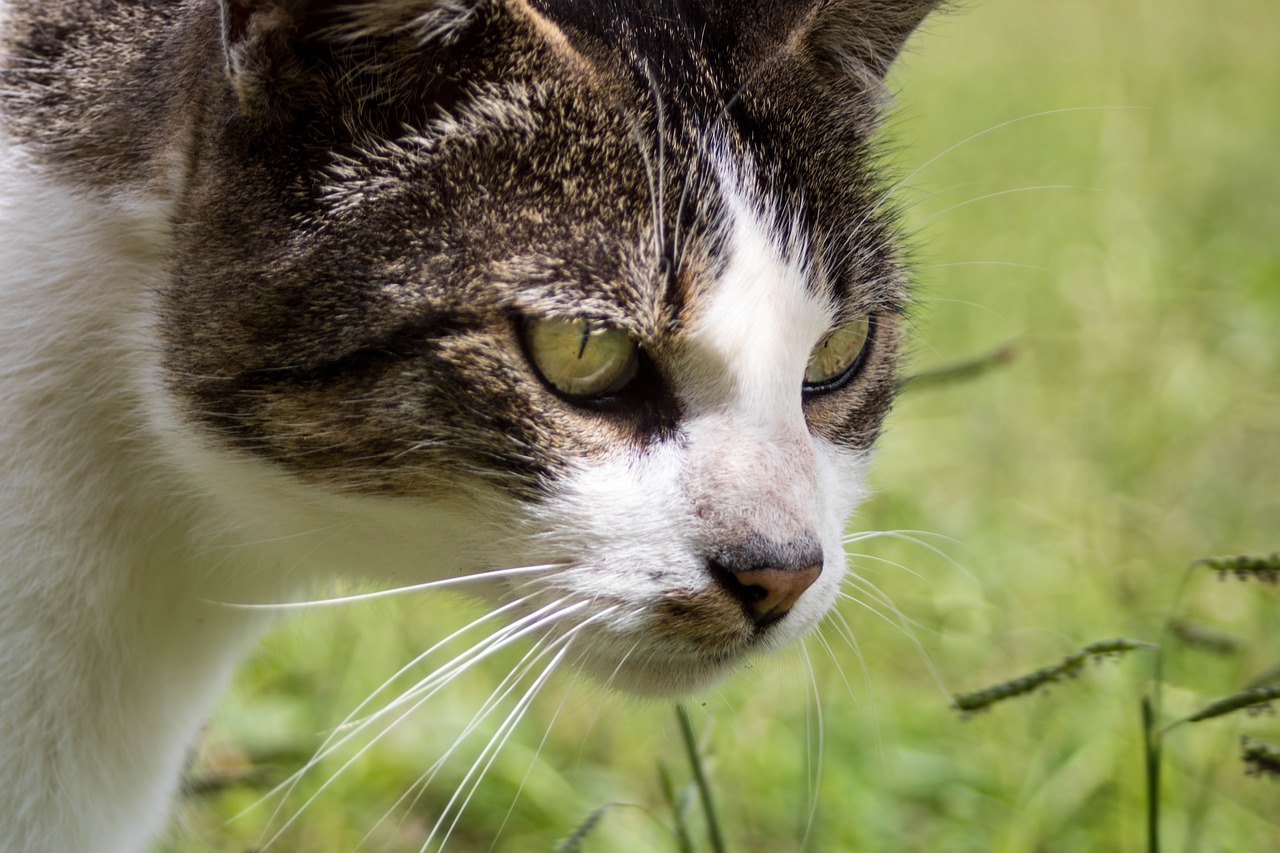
{"x": 769, "y": 594}
{"x": 767, "y": 578}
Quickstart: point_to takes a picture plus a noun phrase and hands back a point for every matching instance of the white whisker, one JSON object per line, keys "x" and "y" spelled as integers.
{"x": 651, "y": 177}
{"x": 290, "y": 784}
{"x": 944, "y": 152}
{"x": 880, "y": 597}
{"x": 499, "y": 640}
{"x": 600, "y": 706}
{"x": 522, "y": 667}
{"x": 504, "y": 731}
{"x": 913, "y": 536}
{"x": 420, "y": 694}
{"x": 888, "y": 562}
{"x": 950, "y": 264}
{"x": 846, "y": 632}
{"x": 537, "y": 752}
{"x": 445, "y": 673}
{"x": 986, "y": 196}
{"x": 608, "y": 682}
{"x": 495, "y": 745}
{"x": 887, "y": 195}
{"x": 476, "y": 577}
{"x": 831, "y": 653}
{"x": 903, "y": 624}
{"x": 351, "y": 718}
{"x": 659, "y": 199}
{"x": 844, "y": 629}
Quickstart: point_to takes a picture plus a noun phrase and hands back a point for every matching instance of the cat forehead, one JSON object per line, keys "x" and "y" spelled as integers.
{"x": 604, "y": 247}
{"x": 560, "y": 203}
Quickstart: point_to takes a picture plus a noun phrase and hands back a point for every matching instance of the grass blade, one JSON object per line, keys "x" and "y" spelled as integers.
{"x": 1151, "y": 746}
{"x": 700, "y": 778}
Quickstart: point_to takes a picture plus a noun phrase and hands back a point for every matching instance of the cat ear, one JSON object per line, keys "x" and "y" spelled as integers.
{"x": 864, "y": 35}
{"x": 263, "y": 51}
{"x": 274, "y": 49}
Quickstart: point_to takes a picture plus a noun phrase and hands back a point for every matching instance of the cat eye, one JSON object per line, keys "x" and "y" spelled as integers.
{"x": 834, "y": 360}
{"x": 581, "y": 358}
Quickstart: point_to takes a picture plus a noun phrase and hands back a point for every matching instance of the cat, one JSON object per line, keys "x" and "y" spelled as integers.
{"x": 588, "y": 307}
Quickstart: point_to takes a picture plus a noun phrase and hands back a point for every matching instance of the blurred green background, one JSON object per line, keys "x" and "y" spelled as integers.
{"x": 1106, "y": 196}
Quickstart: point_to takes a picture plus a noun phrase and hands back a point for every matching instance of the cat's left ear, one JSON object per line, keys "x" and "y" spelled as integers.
{"x": 863, "y": 36}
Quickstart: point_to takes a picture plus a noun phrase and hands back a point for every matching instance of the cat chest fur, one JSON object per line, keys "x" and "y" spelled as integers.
{"x": 593, "y": 303}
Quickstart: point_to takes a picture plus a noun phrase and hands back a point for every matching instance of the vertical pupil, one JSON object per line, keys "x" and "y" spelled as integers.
{"x": 582, "y": 346}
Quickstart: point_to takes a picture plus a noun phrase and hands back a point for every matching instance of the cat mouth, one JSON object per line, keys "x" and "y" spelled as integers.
{"x": 706, "y": 620}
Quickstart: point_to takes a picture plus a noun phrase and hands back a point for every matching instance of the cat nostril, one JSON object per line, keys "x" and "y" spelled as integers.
{"x": 767, "y": 594}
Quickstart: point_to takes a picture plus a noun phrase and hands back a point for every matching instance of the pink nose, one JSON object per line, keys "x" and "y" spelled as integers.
{"x": 767, "y": 577}
{"x": 770, "y": 593}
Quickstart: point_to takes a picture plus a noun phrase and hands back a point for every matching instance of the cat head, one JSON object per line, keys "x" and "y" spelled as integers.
{"x": 608, "y": 288}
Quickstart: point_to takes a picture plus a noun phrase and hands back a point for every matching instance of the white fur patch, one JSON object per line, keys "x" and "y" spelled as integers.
{"x": 91, "y": 748}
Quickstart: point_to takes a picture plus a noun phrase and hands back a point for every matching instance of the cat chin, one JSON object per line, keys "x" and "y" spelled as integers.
{"x": 663, "y": 679}
{"x": 664, "y": 672}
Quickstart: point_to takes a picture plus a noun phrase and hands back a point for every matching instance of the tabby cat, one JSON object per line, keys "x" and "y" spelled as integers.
{"x": 589, "y": 307}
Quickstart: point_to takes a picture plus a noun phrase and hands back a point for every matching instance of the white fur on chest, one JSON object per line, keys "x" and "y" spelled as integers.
{"x": 98, "y": 563}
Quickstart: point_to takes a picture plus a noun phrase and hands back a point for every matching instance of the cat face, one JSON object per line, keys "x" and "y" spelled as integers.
{"x": 489, "y": 285}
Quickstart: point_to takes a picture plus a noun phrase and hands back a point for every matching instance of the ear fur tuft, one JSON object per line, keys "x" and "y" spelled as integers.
{"x": 429, "y": 20}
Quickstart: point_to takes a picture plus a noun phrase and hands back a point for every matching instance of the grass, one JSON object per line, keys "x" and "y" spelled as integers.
{"x": 1137, "y": 428}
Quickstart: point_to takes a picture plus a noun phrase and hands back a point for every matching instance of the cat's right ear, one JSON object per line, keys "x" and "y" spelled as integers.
{"x": 865, "y": 36}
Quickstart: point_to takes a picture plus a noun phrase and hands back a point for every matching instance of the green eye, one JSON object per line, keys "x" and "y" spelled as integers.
{"x": 833, "y": 359}
{"x": 580, "y": 358}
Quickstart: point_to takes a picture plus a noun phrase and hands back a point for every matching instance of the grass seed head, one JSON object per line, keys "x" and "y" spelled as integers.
{"x": 1255, "y": 700}
{"x": 1260, "y": 758}
{"x": 1260, "y": 567}
{"x": 968, "y": 703}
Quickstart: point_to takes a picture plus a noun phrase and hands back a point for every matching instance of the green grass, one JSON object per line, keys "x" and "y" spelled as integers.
{"x": 1138, "y": 430}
